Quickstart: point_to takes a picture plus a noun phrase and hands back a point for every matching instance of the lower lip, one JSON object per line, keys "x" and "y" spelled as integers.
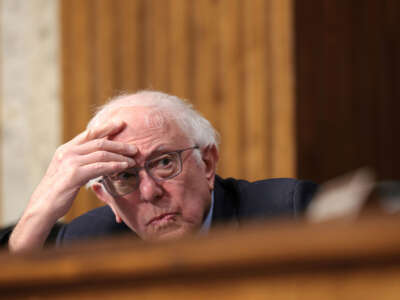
{"x": 163, "y": 220}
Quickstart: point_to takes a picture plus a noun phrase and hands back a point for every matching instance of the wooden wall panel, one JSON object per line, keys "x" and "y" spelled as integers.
{"x": 103, "y": 53}
{"x": 348, "y": 90}
{"x": 281, "y": 63}
{"x": 205, "y": 61}
{"x": 231, "y": 62}
{"x": 78, "y": 88}
{"x": 180, "y": 48}
{"x": 1, "y": 124}
{"x": 128, "y": 57}
{"x": 231, "y": 59}
{"x": 257, "y": 114}
{"x": 156, "y": 44}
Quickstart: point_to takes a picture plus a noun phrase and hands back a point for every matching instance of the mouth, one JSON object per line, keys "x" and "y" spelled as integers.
{"x": 163, "y": 218}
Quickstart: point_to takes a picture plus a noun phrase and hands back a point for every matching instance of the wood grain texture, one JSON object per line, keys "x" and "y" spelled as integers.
{"x": 180, "y": 48}
{"x": 336, "y": 260}
{"x": 347, "y": 73}
{"x": 79, "y": 87}
{"x": 232, "y": 103}
{"x": 206, "y": 81}
{"x": 231, "y": 59}
{"x": 257, "y": 97}
{"x": 103, "y": 55}
{"x": 1, "y": 126}
{"x": 156, "y": 44}
{"x": 281, "y": 64}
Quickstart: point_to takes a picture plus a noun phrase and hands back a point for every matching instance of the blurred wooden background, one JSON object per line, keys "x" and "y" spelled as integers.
{"x": 296, "y": 88}
{"x": 348, "y": 87}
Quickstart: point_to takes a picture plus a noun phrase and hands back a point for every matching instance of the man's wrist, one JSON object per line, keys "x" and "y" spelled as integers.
{"x": 30, "y": 233}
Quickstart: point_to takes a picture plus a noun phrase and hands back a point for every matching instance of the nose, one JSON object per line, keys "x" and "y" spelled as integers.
{"x": 149, "y": 189}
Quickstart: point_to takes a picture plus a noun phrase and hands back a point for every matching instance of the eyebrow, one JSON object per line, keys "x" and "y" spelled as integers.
{"x": 158, "y": 151}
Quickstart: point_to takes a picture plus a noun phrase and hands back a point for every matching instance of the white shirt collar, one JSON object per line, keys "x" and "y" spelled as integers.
{"x": 205, "y": 227}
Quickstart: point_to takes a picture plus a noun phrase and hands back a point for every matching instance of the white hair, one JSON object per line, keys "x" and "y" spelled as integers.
{"x": 165, "y": 108}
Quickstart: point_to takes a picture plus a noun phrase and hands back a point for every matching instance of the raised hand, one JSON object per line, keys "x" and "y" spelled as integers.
{"x": 87, "y": 156}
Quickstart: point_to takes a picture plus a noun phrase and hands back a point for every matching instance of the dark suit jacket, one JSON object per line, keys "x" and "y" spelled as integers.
{"x": 234, "y": 201}
{"x": 4, "y": 235}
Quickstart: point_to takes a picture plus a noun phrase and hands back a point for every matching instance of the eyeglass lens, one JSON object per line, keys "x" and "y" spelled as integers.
{"x": 161, "y": 168}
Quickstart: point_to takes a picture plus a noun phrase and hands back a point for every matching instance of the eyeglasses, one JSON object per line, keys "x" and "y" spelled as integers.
{"x": 160, "y": 168}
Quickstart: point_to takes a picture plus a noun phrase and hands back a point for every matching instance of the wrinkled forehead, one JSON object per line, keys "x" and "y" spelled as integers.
{"x": 143, "y": 121}
{"x": 147, "y": 117}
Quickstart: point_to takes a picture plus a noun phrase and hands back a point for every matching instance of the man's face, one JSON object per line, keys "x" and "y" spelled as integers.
{"x": 166, "y": 209}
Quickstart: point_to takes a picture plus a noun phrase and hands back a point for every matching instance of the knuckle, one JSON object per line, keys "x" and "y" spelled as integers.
{"x": 66, "y": 161}
{"x": 64, "y": 153}
{"x": 60, "y": 153}
{"x": 89, "y": 133}
{"x": 115, "y": 166}
{"x": 72, "y": 172}
{"x": 127, "y": 147}
{"x": 102, "y": 155}
{"x": 97, "y": 166}
{"x": 71, "y": 162}
{"x": 100, "y": 144}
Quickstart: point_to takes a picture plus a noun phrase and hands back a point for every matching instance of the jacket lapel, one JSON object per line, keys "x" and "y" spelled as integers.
{"x": 226, "y": 202}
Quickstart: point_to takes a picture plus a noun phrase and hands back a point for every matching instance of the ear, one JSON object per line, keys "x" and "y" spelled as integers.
{"x": 104, "y": 196}
{"x": 210, "y": 158}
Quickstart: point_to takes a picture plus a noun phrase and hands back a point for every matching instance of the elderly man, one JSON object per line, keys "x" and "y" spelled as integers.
{"x": 152, "y": 159}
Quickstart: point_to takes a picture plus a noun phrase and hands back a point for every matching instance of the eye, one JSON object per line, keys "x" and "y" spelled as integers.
{"x": 165, "y": 161}
{"x": 127, "y": 175}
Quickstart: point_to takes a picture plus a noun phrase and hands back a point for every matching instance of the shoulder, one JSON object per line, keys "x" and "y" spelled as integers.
{"x": 96, "y": 223}
{"x": 266, "y": 198}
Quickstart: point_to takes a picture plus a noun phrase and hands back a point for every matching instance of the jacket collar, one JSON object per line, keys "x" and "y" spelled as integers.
{"x": 226, "y": 201}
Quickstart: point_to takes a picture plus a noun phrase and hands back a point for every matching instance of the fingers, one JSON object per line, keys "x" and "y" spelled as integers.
{"x": 97, "y": 169}
{"x": 98, "y": 132}
{"x": 78, "y": 170}
{"x": 91, "y": 154}
{"x": 105, "y": 157}
{"x": 106, "y": 145}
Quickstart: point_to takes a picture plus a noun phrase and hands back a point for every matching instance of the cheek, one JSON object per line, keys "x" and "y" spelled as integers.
{"x": 194, "y": 199}
{"x": 194, "y": 212}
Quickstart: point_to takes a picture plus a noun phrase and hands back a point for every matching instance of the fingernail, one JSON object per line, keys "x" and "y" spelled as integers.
{"x": 118, "y": 123}
{"x": 132, "y": 148}
{"x": 131, "y": 162}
